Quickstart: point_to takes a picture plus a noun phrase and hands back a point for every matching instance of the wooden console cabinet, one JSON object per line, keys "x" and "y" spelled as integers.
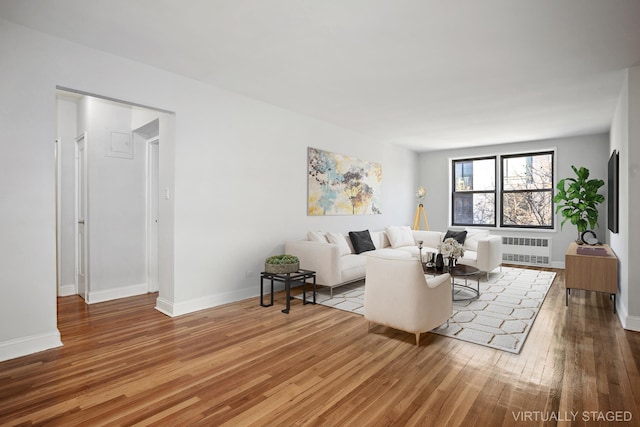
{"x": 592, "y": 268}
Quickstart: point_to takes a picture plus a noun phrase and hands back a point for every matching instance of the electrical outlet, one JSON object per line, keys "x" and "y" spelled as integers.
{"x": 251, "y": 274}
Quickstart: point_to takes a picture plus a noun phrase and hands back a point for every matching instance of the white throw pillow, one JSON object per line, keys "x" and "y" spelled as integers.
{"x": 341, "y": 241}
{"x": 317, "y": 236}
{"x": 473, "y": 236}
{"x": 400, "y": 236}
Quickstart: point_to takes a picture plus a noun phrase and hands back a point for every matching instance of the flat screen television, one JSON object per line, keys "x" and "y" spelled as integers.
{"x": 612, "y": 192}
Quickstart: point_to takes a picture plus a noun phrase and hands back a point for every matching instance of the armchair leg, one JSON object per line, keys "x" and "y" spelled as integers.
{"x": 417, "y": 339}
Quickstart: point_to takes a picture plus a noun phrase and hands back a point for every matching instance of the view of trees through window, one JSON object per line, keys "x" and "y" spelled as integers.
{"x": 474, "y": 195}
{"x": 526, "y": 191}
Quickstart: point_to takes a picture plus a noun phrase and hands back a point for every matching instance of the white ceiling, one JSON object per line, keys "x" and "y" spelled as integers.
{"x": 425, "y": 74}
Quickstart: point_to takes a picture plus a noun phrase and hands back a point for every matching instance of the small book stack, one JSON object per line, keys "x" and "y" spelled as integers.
{"x": 587, "y": 250}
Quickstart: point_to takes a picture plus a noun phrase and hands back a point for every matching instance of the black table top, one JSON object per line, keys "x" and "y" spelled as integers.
{"x": 458, "y": 270}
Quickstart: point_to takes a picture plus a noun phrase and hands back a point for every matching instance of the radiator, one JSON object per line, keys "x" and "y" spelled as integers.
{"x": 526, "y": 250}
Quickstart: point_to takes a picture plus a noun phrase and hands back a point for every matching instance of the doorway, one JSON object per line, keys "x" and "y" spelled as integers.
{"x": 109, "y": 229}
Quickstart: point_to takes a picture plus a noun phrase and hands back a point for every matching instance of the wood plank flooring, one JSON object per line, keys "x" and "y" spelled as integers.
{"x": 124, "y": 363}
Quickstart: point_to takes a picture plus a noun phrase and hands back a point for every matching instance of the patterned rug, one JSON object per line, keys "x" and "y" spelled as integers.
{"x": 500, "y": 318}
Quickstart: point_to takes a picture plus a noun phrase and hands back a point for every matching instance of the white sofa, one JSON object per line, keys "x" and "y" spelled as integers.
{"x": 332, "y": 256}
{"x": 398, "y": 294}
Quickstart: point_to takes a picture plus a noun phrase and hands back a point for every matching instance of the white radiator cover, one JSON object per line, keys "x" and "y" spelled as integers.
{"x": 526, "y": 250}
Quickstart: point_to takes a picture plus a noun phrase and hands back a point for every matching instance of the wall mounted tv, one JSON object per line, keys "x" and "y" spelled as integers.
{"x": 612, "y": 190}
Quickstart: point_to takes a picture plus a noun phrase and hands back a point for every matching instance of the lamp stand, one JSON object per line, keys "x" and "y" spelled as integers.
{"x": 416, "y": 220}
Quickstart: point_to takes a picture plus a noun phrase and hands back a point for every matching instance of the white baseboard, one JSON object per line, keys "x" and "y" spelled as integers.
{"x": 116, "y": 293}
{"x": 630, "y": 323}
{"x": 66, "y": 290}
{"x": 173, "y": 309}
{"x": 27, "y": 345}
{"x": 633, "y": 323}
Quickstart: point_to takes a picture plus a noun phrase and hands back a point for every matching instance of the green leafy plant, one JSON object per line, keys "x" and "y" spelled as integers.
{"x": 282, "y": 259}
{"x": 578, "y": 199}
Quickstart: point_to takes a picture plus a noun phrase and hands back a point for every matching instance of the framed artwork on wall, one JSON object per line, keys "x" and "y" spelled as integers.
{"x": 342, "y": 185}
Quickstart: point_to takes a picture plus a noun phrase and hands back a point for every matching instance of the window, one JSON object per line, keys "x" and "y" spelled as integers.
{"x": 527, "y": 190}
{"x": 474, "y": 192}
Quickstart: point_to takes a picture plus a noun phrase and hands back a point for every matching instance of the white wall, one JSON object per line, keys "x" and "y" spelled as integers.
{"x": 27, "y": 219}
{"x": 241, "y": 191}
{"x": 116, "y": 205}
{"x": 590, "y": 151}
{"x": 634, "y": 197}
{"x": 236, "y": 175}
{"x": 625, "y": 137}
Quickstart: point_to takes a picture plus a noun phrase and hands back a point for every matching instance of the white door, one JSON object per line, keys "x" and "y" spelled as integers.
{"x": 153, "y": 197}
{"x": 81, "y": 216}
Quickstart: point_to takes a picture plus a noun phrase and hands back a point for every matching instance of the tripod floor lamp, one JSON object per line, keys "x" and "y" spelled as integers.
{"x": 420, "y": 210}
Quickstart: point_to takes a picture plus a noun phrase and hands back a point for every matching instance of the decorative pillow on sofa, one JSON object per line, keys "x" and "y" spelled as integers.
{"x": 460, "y": 236}
{"x": 400, "y": 236}
{"x": 340, "y": 240}
{"x": 361, "y": 241}
{"x": 317, "y": 236}
{"x": 473, "y": 235}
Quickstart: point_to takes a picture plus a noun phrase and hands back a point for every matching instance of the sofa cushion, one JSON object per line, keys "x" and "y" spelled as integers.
{"x": 429, "y": 238}
{"x": 400, "y": 236}
{"x": 460, "y": 236}
{"x": 469, "y": 258}
{"x": 388, "y": 253}
{"x": 317, "y": 236}
{"x": 473, "y": 236}
{"x": 352, "y": 267}
{"x": 379, "y": 239}
{"x": 361, "y": 241}
{"x": 341, "y": 241}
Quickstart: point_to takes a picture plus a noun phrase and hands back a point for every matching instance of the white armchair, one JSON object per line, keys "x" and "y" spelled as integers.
{"x": 397, "y": 294}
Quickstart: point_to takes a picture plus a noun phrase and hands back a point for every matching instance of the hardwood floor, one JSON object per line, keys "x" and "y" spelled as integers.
{"x": 124, "y": 363}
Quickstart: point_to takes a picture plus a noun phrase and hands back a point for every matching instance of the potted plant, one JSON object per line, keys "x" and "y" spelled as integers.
{"x": 578, "y": 200}
{"x": 281, "y": 264}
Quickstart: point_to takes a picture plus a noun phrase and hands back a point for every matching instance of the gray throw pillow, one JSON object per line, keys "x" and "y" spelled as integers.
{"x": 361, "y": 241}
{"x": 460, "y": 236}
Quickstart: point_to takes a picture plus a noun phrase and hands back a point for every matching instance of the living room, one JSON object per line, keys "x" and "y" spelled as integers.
{"x": 234, "y": 181}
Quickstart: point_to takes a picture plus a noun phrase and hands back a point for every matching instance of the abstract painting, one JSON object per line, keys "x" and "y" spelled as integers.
{"x": 342, "y": 185}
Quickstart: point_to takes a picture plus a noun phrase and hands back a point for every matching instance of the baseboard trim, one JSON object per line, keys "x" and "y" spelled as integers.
{"x": 630, "y": 323}
{"x": 66, "y": 290}
{"x": 116, "y": 293}
{"x": 174, "y": 309}
{"x": 633, "y": 323}
{"x": 27, "y": 345}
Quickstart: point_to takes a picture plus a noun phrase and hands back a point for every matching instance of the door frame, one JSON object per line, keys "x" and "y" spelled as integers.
{"x": 58, "y": 166}
{"x": 85, "y": 178}
{"x": 153, "y": 213}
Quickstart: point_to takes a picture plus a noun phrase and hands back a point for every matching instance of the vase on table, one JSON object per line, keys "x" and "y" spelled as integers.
{"x": 452, "y": 262}
{"x": 439, "y": 262}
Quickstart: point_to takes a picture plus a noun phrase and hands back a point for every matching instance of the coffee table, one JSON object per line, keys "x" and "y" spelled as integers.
{"x": 462, "y": 271}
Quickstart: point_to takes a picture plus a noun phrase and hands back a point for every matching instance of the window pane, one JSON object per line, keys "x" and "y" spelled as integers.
{"x": 528, "y": 208}
{"x": 475, "y": 175}
{"x": 529, "y": 172}
{"x": 474, "y": 208}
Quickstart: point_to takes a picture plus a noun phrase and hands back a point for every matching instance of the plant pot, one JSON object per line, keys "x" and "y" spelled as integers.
{"x": 281, "y": 268}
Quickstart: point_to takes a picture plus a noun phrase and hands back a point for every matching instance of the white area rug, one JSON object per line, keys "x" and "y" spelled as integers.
{"x": 500, "y": 318}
